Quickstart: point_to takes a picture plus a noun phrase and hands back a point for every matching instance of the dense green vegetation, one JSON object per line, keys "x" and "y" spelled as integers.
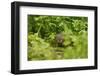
{"x": 57, "y": 37}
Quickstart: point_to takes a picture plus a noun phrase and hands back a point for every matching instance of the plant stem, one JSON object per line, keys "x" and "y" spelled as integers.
{"x": 39, "y": 29}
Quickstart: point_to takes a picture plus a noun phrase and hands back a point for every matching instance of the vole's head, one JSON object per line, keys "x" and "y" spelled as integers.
{"x": 59, "y": 38}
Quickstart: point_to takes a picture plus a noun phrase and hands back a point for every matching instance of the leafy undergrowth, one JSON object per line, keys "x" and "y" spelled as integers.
{"x": 57, "y": 37}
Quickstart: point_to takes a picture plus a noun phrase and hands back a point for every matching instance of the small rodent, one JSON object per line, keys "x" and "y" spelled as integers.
{"x": 59, "y": 38}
